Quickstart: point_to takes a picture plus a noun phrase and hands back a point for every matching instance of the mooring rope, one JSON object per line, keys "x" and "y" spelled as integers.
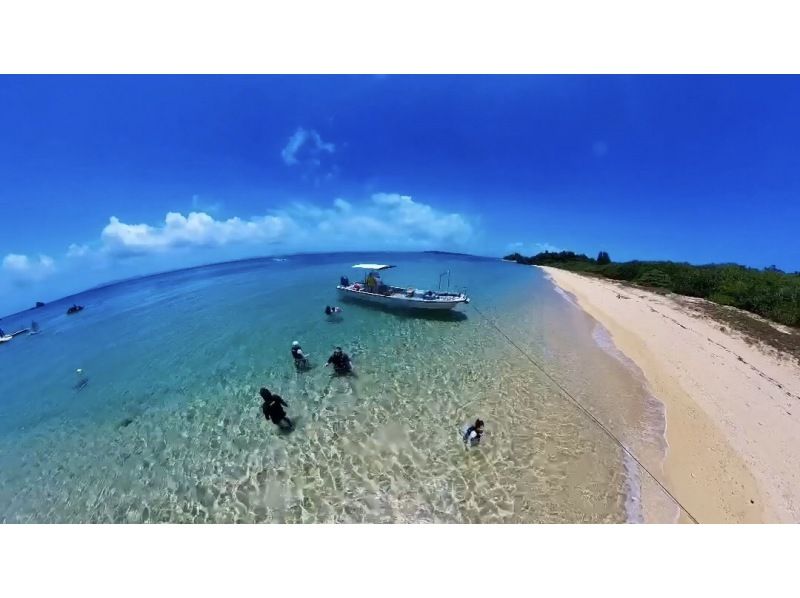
{"x": 587, "y": 413}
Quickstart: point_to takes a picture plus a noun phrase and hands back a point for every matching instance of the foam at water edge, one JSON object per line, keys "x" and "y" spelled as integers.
{"x": 568, "y": 297}
{"x": 656, "y": 428}
{"x": 633, "y": 491}
{"x": 634, "y": 512}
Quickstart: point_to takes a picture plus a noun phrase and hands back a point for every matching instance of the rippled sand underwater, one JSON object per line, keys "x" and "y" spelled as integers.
{"x": 184, "y": 439}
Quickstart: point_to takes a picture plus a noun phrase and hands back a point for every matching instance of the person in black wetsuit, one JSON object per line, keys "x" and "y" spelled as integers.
{"x": 472, "y": 435}
{"x": 273, "y": 409}
{"x": 341, "y": 362}
{"x": 300, "y": 358}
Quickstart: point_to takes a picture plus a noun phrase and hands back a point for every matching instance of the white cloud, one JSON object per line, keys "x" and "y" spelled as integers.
{"x": 24, "y": 269}
{"x": 342, "y": 205}
{"x": 198, "y": 229}
{"x": 421, "y": 220}
{"x": 390, "y": 221}
{"x": 385, "y": 220}
{"x": 76, "y": 250}
{"x": 305, "y": 145}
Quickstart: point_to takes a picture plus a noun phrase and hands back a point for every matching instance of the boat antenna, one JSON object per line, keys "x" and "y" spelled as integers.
{"x": 447, "y": 272}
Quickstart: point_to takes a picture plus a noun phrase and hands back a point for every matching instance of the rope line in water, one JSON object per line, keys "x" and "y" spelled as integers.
{"x": 588, "y": 414}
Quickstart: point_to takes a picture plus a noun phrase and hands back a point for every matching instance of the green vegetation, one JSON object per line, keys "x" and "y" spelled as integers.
{"x": 769, "y": 292}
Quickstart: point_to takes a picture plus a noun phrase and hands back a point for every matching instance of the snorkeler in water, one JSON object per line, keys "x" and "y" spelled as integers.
{"x": 272, "y": 407}
{"x": 300, "y": 358}
{"x": 341, "y": 362}
{"x": 82, "y": 379}
{"x": 472, "y": 435}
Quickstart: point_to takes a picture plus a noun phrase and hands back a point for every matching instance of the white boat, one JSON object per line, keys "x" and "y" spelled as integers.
{"x": 372, "y": 290}
{"x": 7, "y": 337}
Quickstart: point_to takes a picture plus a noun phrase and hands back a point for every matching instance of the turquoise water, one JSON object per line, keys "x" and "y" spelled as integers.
{"x": 169, "y": 428}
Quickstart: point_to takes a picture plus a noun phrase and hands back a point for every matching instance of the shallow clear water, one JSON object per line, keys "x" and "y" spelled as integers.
{"x": 169, "y": 428}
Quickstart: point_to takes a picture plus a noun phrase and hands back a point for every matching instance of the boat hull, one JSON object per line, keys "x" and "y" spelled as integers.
{"x": 401, "y": 302}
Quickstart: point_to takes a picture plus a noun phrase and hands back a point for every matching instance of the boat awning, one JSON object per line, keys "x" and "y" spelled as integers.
{"x": 372, "y": 266}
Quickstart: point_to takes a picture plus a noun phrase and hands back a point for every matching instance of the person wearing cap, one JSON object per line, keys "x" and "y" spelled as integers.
{"x": 82, "y": 379}
{"x": 300, "y": 358}
{"x": 341, "y": 362}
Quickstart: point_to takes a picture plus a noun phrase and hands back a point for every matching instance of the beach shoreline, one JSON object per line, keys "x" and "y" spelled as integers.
{"x": 732, "y": 412}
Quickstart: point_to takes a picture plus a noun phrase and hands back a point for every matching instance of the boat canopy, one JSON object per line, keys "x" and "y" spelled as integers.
{"x": 372, "y": 266}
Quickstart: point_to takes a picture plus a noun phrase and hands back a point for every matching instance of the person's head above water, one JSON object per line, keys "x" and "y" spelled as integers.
{"x": 479, "y": 424}
{"x": 295, "y": 344}
{"x": 265, "y": 394}
{"x": 337, "y": 350}
{"x": 328, "y": 309}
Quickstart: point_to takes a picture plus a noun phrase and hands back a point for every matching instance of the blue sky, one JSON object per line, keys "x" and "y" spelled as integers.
{"x": 108, "y": 177}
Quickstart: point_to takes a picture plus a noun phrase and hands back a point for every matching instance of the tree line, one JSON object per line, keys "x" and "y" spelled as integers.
{"x": 768, "y": 292}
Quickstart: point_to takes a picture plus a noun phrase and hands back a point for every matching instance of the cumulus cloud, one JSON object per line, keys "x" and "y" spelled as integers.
{"x": 384, "y": 220}
{"x": 198, "y": 229}
{"x": 305, "y": 145}
{"x": 25, "y": 269}
{"x": 342, "y": 205}
{"x": 76, "y": 250}
{"x": 421, "y": 220}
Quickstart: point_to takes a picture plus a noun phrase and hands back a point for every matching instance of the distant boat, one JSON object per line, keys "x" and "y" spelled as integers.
{"x": 373, "y": 290}
{"x": 39, "y": 304}
{"x": 4, "y": 338}
{"x": 279, "y": 259}
{"x": 74, "y": 309}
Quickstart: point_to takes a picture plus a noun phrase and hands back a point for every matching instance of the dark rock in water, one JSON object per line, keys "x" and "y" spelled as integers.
{"x": 39, "y": 304}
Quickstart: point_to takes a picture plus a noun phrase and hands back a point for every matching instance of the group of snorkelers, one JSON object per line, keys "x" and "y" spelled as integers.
{"x": 273, "y": 405}
{"x": 341, "y": 362}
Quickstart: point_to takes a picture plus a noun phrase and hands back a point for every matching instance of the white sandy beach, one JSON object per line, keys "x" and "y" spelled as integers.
{"x": 733, "y": 407}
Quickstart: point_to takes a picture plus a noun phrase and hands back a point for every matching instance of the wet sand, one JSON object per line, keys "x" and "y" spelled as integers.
{"x": 732, "y": 406}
